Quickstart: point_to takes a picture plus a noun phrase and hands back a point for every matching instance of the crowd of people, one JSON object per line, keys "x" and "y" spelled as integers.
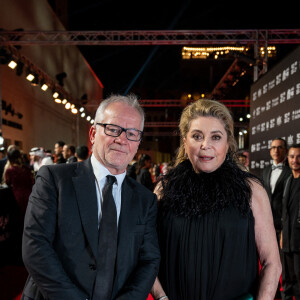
{"x": 118, "y": 226}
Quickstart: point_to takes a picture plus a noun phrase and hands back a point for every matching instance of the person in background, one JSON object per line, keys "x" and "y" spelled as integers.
{"x": 3, "y": 161}
{"x": 58, "y": 155}
{"x": 90, "y": 230}
{"x": 38, "y": 158}
{"x": 19, "y": 178}
{"x": 69, "y": 153}
{"x": 82, "y": 153}
{"x": 290, "y": 235}
{"x": 274, "y": 177}
{"x": 143, "y": 175}
{"x": 242, "y": 160}
{"x": 214, "y": 222}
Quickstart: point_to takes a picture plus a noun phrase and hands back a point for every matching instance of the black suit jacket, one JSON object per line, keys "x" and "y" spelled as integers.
{"x": 291, "y": 229}
{"x": 276, "y": 197}
{"x": 61, "y": 233}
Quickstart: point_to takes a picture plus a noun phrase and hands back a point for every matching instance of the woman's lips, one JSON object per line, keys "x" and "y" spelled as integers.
{"x": 206, "y": 158}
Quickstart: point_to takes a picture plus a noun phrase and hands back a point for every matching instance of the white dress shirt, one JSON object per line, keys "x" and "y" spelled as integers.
{"x": 275, "y": 175}
{"x": 100, "y": 176}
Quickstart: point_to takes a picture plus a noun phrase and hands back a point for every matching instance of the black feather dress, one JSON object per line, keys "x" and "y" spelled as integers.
{"x": 206, "y": 234}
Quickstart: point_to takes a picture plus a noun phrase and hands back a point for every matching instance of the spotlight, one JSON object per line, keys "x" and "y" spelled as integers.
{"x": 64, "y": 101}
{"x": 57, "y": 100}
{"x": 44, "y": 87}
{"x": 68, "y": 105}
{"x": 74, "y": 110}
{"x": 12, "y": 64}
{"x": 30, "y": 77}
{"x": 88, "y": 118}
{"x": 81, "y": 109}
{"x": 55, "y": 94}
{"x": 82, "y": 115}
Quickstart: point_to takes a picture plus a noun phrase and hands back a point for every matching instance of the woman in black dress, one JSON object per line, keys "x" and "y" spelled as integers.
{"x": 214, "y": 221}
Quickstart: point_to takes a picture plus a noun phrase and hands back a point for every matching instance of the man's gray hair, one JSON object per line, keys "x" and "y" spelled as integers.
{"x": 131, "y": 100}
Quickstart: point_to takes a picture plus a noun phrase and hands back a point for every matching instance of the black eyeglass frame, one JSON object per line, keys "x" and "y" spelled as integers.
{"x": 122, "y": 129}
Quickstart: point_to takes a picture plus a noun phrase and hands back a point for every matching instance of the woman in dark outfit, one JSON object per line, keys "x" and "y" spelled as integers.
{"x": 214, "y": 220}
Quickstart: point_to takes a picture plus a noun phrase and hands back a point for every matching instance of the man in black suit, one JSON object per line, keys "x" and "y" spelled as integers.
{"x": 290, "y": 238}
{"x": 62, "y": 245}
{"x": 274, "y": 177}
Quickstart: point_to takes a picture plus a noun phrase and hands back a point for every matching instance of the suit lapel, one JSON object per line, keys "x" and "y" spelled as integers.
{"x": 84, "y": 185}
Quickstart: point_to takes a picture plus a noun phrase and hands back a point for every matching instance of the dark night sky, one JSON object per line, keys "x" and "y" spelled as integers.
{"x": 166, "y": 75}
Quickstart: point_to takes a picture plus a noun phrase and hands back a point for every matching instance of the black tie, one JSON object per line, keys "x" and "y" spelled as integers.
{"x": 107, "y": 244}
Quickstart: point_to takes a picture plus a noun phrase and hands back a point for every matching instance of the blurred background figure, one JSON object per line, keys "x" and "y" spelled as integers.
{"x": 38, "y": 158}
{"x": 3, "y": 160}
{"x": 19, "y": 178}
{"x": 82, "y": 153}
{"x": 243, "y": 160}
{"x": 69, "y": 153}
{"x": 143, "y": 175}
{"x": 58, "y": 155}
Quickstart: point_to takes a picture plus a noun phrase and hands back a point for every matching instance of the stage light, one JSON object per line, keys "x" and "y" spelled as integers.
{"x": 64, "y": 101}
{"x": 57, "y": 100}
{"x": 88, "y": 118}
{"x": 82, "y": 115}
{"x": 55, "y": 94}
{"x": 248, "y": 116}
{"x": 68, "y": 105}
{"x": 241, "y": 119}
{"x": 92, "y": 122}
{"x": 81, "y": 109}
{"x": 44, "y": 87}
{"x": 72, "y": 106}
{"x": 74, "y": 110}
{"x": 30, "y": 77}
{"x": 12, "y": 64}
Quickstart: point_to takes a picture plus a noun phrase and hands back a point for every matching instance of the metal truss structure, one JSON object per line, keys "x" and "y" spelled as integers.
{"x": 152, "y": 37}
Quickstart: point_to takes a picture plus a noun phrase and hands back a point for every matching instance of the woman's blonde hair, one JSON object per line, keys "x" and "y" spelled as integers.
{"x": 205, "y": 108}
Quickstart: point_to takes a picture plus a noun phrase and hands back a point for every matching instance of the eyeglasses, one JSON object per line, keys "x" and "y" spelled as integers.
{"x": 132, "y": 134}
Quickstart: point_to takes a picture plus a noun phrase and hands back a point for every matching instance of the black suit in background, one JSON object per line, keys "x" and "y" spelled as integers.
{"x": 276, "y": 197}
{"x": 61, "y": 237}
{"x": 291, "y": 239}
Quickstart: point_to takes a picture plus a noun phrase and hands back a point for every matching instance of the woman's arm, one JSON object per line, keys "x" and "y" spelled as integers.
{"x": 266, "y": 243}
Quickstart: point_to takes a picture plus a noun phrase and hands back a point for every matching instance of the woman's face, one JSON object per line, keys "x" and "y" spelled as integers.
{"x": 206, "y": 144}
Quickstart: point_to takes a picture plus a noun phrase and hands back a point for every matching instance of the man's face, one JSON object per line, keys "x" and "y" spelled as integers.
{"x": 57, "y": 149}
{"x": 294, "y": 159}
{"x": 115, "y": 153}
{"x": 277, "y": 151}
{"x": 65, "y": 152}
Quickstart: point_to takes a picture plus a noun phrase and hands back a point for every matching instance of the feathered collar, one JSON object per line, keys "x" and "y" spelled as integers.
{"x": 187, "y": 193}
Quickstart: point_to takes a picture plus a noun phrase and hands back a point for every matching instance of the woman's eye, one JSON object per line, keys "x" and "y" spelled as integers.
{"x": 197, "y": 136}
{"x": 216, "y": 137}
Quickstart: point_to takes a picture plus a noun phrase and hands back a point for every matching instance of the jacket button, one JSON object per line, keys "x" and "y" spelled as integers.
{"x": 92, "y": 267}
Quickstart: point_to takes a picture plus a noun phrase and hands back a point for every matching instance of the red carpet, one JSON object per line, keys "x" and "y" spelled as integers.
{"x": 12, "y": 281}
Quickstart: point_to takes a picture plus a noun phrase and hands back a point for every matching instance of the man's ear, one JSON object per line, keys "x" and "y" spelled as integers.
{"x": 92, "y": 134}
